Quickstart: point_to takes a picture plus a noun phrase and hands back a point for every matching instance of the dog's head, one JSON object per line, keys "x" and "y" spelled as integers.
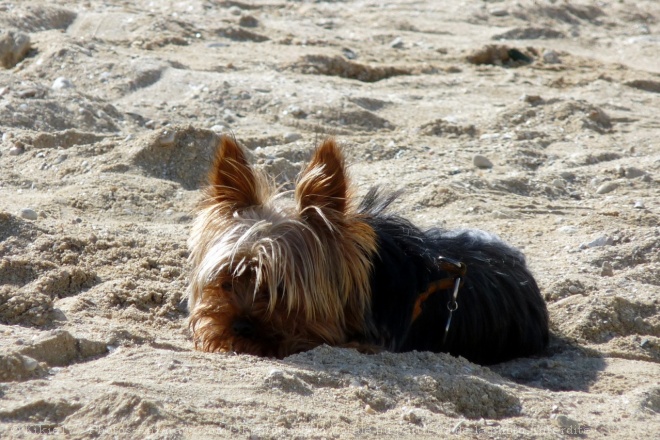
{"x": 272, "y": 278}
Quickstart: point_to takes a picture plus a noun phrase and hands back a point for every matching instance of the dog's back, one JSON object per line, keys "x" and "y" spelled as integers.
{"x": 501, "y": 314}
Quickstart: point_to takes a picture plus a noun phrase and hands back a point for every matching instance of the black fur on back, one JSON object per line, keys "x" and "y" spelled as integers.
{"x": 501, "y": 314}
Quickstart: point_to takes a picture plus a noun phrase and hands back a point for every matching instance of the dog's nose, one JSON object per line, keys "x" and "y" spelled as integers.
{"x": 243, "y": 327}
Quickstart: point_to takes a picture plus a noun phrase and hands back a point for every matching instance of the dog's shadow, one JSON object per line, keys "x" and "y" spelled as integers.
{"x": 565, "y": 366}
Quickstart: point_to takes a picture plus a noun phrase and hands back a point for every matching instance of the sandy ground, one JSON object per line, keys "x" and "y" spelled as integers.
{"x": 536, "y": 120}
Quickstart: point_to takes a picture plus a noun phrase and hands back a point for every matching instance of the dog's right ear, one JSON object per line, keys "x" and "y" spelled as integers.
{"x": 232, "y": 182}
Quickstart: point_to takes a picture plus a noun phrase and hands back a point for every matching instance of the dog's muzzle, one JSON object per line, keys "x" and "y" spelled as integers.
{"x": 243, "y": 327}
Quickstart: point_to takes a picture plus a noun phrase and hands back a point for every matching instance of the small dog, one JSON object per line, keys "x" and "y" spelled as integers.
{"x": 272, "y": 278}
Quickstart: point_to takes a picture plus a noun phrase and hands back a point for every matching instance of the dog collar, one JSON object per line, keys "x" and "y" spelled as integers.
{"x": 457, "y": 272}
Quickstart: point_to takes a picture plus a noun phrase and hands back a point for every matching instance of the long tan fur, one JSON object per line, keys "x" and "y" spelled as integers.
{"x": 301, "y": 275}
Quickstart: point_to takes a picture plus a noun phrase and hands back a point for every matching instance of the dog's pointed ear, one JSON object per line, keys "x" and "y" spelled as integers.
{"x": 232, "y": 182}
{"x": 322, "y": 188}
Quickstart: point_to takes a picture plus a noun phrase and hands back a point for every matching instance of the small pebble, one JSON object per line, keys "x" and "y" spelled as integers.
{"x": 292, "y": 137}
{"x": 497, "y": 12}
{"x": 489, "y": 136}
{"x": 349, "y": 53}
{"x": 603, "y": 240}
{"x": 412, "y": 417}
{"x": 275, "y": 374}
{"x": 150, "y": 124}
{"x": 248, "y": 21}
{"x": 369, "y": 410}
{"x": 167, "y": 138}
{"x": 29, "y": 214}
{"x": 568, "y": 229}
{"x": 397, "y": 43}
{"x": 559, "y": 183}
{"x": 607, "y": 187}
{"x": 29, "y": 363}
{"x": 15, "y": 151}
{"x": 217, "y": 128}
{"x": 531, "y": 99}
{"x": 62, "y": 83}
{"x": 606, "y": 270}
{"x": 639, "y": 205}
{"x": 28, "y": 93}
{"x": 573, "y": 290}
{"x": 567, "y": 423}
{"x": 551, "y": 57}
{"x": 632, "y": 172}
{"x": 295, "y": 111}
{"x": 480, "y": 161}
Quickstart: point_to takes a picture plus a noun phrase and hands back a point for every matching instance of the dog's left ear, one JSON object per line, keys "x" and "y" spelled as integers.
{"x": 321, "y": 191}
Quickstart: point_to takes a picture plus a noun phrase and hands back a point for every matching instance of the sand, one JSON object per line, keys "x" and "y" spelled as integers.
{"x": 535, "y": 120}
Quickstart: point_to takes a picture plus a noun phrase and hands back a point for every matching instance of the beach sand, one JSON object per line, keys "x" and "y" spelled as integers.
{"x": 535, "y": 120}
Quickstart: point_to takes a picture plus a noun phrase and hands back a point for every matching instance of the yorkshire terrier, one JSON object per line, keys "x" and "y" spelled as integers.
{"x": 274, "y": 277}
